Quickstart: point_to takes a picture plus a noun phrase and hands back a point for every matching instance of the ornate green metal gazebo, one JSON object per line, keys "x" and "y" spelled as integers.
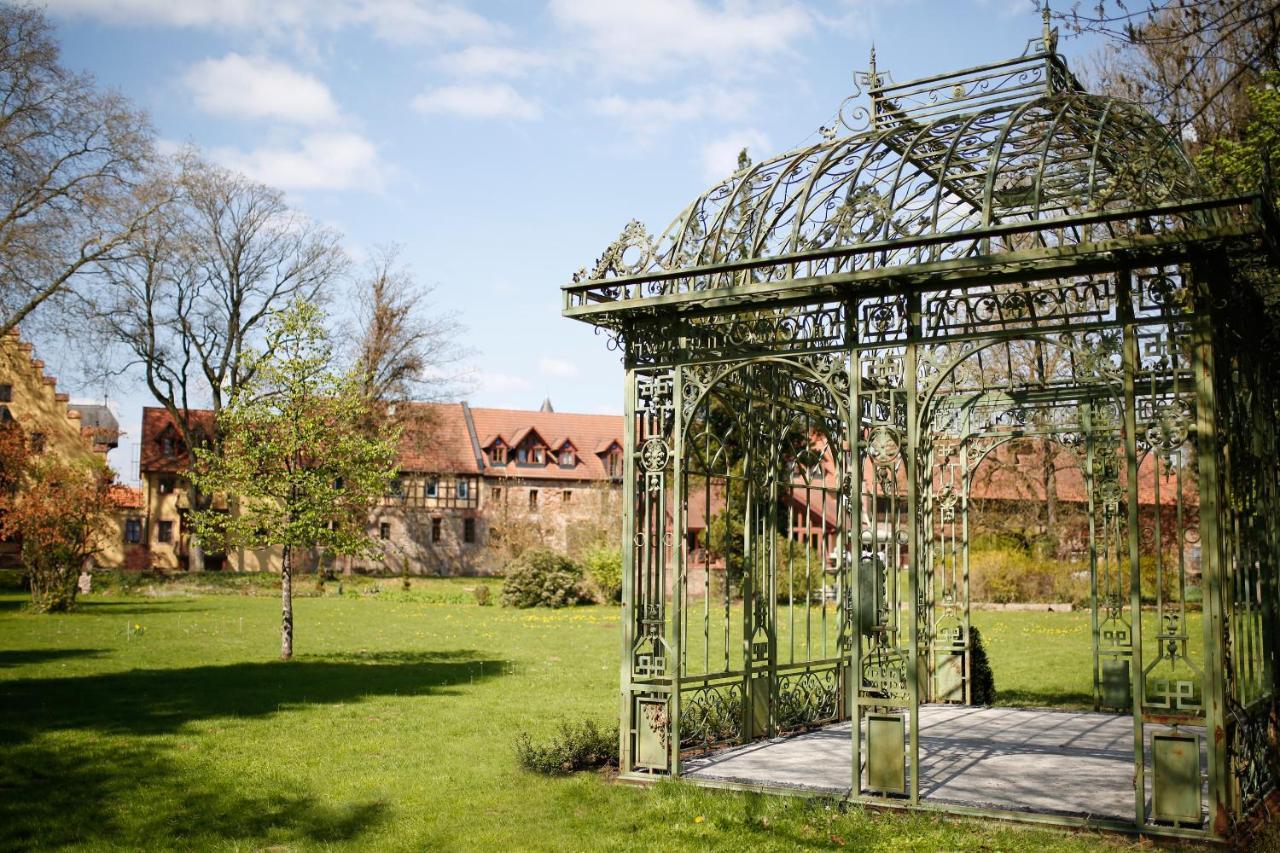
{"x": 822, "y": 349}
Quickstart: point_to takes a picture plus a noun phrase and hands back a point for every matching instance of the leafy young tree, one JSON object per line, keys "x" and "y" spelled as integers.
{"x": 296, "y": 454}
{"x": 71, "y": 161}
{"x": 60, "y": 511}
{"x": 194, "y": 293}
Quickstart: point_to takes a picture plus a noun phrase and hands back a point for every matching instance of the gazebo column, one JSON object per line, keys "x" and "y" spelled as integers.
{"x": 1129, "y": 357}
{"x": 1213, "y": 516}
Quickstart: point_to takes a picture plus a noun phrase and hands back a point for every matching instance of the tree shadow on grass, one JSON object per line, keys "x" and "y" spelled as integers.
{"x": 23, "y": 657}
{"x": 127, "y": 793}
{"x": 176, "y": 604}
{"x": 161, "y": 701}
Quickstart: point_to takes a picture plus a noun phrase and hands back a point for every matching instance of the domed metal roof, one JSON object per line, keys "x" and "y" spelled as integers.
{"x": 977, "y": 152}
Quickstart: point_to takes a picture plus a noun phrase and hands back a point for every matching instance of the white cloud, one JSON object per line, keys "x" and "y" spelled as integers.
{"x": 648, "y": 116}
{"x": 720, "y": 156}
{"x": 501, "y": 383}
{"x": 393, "y": 20}
{"x": 258, "y": 87}
{"x": 417, "y": 21}
{"x": 325, "y": 160}
{"x": 557, "y": 368}
{"x": 488, "y": 100}
{"x": 658, "y": 36}
{"x": 488, "y": 60}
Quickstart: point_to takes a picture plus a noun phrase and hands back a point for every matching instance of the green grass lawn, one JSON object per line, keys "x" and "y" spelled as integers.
{"x": 167, "y": 722}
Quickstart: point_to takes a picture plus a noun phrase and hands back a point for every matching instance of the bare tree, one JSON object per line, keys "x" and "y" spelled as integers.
{"x": 1189, "y": 61}
{"x": 191, "y": 297}
{"x": 405, "y": 350}
{"x": 71, "y": 159}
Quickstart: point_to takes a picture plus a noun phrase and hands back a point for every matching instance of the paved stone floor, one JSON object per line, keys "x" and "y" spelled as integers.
{"x": 1057, "y": 762}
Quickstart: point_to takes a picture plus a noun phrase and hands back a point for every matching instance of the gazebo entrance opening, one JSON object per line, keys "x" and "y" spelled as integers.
{"x": 827, "y": 356}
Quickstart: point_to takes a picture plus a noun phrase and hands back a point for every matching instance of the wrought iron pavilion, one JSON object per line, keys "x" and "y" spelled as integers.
{"x": 985, "y": 255}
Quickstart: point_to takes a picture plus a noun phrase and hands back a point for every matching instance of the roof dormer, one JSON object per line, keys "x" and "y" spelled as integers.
{"x": 565, "y": 453}
{"x": 496, "y": 451}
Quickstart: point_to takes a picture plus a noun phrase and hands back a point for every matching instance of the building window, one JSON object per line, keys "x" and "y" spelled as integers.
{"x": 522, "y": 455}
{"x": 567, "y": 459}
{"x": 468, "y": 530}
{"x": 36, "y": 442}
{"x": 495, "y": 493}
{"x": 566, "y": 495}
{"x": 432, "y": 487}
{"x": 614, "y": 463}
{"x": 133, "y": 531}
{"x": 167, "y": 447}
{"x": 338, "y": 483}
{"x": 437, "y": 528}
{"x": 498, "y": 454}
{"x": 5, "y": 416}
{"x": 533, "y": 499}
{"x": 6, "y": 393}
{"x": 539, "y": 456}
{"x": 384, "y": 531}
{"x": 164, "y": 531}
{"x": 463, "y": 489}
{"x": 166, "y": 485}
{"x": 397, "y": 488}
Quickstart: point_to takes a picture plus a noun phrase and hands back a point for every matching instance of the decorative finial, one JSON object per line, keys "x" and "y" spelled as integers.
{"x": 1048, "y": 30}
{"x": 875, "y": 80}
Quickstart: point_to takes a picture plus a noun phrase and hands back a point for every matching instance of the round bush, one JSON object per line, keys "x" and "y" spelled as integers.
{"x": 542, "y": 578}
{"x": 604, "y": 567}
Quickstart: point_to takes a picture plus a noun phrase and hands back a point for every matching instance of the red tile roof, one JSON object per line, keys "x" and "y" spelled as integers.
{"x": 434, "y": 437}
{"x": 124, "y": 497}
{"x": 598, "y": 431}
{"x": 155, "y": 423}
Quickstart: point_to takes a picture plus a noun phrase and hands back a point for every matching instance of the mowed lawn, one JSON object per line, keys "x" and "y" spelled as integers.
{"x": 153, "y": 723}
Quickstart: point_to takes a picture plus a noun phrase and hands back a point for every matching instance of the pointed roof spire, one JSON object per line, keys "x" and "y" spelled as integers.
{"x": 546, "y": 405}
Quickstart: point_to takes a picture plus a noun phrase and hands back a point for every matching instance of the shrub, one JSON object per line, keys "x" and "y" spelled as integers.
{"x": 982, "y": 690}
{"x": 604, "y": 567}
{"x": 483, "y": 595}
{"x": 542, "y": 578}
{"x": 584, "y": 746}
{"x": 138, "y": 558}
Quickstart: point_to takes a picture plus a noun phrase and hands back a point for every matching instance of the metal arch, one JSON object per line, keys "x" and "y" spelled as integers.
{"x": 792, "y": 363}
{"x": 931, "y": 391}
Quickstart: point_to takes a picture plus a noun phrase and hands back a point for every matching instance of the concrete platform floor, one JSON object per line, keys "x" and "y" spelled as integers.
{"x": 1056, "y": 762}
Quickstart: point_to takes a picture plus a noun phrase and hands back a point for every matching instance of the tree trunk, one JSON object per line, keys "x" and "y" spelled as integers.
{"x": 286, "y": 602}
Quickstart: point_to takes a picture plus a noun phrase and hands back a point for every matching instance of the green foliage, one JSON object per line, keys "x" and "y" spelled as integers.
{"x": 574, "y": 747}
{"x": 1004, "y": 575}
{"x": 1244, "y": 164}
{"x": 983, "y": 687}
{"x": 295, "y": 449}
{"x": 604, "y": 567}
{"x": 540, "y": 577}
{"x": 483, "y": 595}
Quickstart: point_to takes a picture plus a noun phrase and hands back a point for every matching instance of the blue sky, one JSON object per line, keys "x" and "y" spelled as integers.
{"x": 506, "y": 143}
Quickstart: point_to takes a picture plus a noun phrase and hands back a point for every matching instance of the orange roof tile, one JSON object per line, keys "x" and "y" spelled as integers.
{"x": 155, "y": 423}
{"x": 580, "y": 430}
{"x": 434, "y": 437}
{"x": 124, "y": 497}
